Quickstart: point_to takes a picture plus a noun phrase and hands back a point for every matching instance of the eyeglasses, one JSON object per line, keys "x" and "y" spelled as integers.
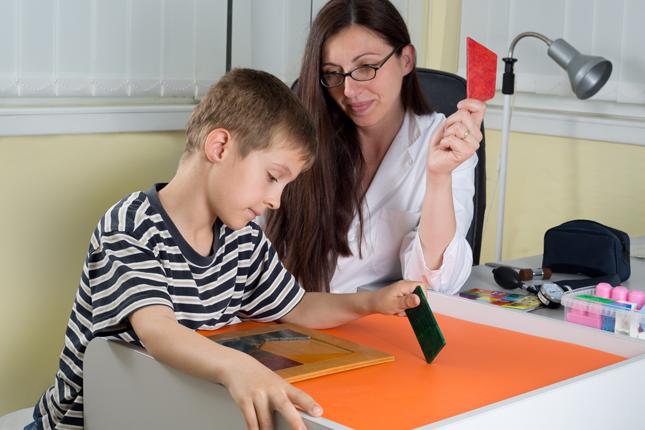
{"x": 366, "y": 72}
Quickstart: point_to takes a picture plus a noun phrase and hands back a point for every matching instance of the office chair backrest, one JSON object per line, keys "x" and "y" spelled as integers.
{"x": 443, "y": 91}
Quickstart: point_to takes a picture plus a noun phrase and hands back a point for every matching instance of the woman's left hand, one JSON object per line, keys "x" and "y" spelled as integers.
{"x": 459, "y": 138}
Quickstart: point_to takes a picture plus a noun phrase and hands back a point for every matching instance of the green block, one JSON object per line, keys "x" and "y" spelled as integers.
{"x": 425, "y": 327}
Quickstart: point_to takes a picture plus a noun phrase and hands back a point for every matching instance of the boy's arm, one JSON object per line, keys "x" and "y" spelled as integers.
{"x": 324, "y": 310}
{"x": 257, "y": 390}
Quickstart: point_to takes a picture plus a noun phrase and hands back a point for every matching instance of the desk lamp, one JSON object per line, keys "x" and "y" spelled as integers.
{"x": 587, "y": 75}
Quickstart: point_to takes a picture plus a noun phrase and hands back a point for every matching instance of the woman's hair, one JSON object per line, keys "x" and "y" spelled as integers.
{"x": 310, "y": 228}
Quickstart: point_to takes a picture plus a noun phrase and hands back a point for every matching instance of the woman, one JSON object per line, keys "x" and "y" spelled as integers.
{"x": 390, "y": 195}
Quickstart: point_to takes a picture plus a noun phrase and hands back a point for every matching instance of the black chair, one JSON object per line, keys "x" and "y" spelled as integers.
{"x": 442, "y": 91}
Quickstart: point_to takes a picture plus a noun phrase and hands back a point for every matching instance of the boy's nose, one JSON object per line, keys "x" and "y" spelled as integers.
{"x": 273, "y": 201}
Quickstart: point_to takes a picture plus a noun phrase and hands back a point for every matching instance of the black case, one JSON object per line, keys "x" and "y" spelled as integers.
{"x": 587, "y": 247}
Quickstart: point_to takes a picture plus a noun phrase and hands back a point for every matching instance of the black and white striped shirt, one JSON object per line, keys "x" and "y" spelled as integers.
{"x": 137, "y": 258}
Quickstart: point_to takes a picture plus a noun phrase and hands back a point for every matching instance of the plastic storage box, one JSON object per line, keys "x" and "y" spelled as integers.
{"x": 602, "y": 316}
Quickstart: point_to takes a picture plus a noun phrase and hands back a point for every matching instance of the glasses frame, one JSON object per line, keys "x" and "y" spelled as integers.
{"x": 374, "y": 67}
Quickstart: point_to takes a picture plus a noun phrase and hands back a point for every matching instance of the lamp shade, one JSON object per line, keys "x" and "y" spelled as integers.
{"x": 587, "y": 73}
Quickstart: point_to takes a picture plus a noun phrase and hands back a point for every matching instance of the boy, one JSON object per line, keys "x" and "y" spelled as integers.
{"x": 187, "y": 256}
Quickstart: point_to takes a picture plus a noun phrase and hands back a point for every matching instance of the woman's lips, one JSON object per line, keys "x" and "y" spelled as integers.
{"x": 359, "y": 108}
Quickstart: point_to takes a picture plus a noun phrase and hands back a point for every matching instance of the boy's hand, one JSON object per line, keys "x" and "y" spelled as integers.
{"x": 395, "y": 298}
{"x": 258, "y": 392}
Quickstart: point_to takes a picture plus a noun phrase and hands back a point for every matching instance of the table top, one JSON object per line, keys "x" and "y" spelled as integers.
{"x": 480, "y": 365}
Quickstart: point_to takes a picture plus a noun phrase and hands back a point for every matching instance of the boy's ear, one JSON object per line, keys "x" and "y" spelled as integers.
{"x": 408, "y": 58}
{"x": 217, "y": 145}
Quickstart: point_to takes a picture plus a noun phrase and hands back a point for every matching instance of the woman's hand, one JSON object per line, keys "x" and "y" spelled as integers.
{"x": 395, "y": 298}
{"x": 258, "y": 392}
{"x": 458, "y": 139}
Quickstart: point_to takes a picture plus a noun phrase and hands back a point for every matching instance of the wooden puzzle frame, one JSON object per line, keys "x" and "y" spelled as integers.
{"x": 320, "y": 354}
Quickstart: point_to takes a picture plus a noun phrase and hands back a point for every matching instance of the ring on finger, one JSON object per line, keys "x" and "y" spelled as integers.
{"x": 466, "y": 133}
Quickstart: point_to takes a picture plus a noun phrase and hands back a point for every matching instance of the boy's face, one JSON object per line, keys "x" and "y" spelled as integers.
{"x": 247, "y": 186}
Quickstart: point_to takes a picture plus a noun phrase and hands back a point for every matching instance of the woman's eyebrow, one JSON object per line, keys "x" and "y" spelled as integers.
{"x": 353, "y": 59}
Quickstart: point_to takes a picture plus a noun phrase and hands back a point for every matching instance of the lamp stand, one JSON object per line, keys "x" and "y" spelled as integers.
{"x": 508, "y": 88}
{"x": 501, "y": 192}
{"x": 587, "y": 75}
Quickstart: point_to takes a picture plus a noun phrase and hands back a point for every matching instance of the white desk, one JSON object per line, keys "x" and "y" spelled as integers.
{"x": 162, "y": 398}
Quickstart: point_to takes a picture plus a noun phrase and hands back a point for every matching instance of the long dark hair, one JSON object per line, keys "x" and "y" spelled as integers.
{"x": 310, "y": 229}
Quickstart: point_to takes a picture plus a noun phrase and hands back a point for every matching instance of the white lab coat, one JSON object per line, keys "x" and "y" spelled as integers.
{"x": 391, "y": 248}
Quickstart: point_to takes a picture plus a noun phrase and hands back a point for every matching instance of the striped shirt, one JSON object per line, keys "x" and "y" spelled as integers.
{"x": 137, "y": 258}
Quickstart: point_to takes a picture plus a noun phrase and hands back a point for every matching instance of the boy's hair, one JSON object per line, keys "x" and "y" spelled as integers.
{"x": 253, "y": 106}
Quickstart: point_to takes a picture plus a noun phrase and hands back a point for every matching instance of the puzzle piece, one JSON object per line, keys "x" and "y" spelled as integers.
{"x": 481, "y": 71}
{"x": 425, "y": 327}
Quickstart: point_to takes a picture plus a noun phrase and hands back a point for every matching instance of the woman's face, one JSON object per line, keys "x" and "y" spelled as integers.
{"x": 366, "y": 102}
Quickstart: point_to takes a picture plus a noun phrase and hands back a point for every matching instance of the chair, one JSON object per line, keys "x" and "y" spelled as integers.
{"x": 16, "y": 420}
{"x": 442, "y": 91}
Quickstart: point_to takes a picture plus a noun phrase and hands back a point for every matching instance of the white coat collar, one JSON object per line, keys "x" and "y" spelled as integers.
{"x": 395, "y": 165}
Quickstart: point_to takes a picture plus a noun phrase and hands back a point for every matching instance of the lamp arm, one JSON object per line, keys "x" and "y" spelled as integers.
{"x": 508, "y": 79}
{"x": 520, "y": 36}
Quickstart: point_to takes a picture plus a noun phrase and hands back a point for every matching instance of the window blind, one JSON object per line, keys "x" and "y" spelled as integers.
{"x": 87, "y": 66}
{"x": 115, "y": 48}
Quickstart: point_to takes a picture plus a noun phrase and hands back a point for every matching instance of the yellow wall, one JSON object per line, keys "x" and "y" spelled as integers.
{"x": 54, "y": 189}
{"x": 553, "y": 179}
{"x": 443, "y": 35}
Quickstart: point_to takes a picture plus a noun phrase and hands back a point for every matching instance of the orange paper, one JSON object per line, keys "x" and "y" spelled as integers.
{"x": 479, "y": 365}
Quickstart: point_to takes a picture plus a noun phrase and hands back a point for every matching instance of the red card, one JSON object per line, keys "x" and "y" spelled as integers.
{"x": 481, "y": 71}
